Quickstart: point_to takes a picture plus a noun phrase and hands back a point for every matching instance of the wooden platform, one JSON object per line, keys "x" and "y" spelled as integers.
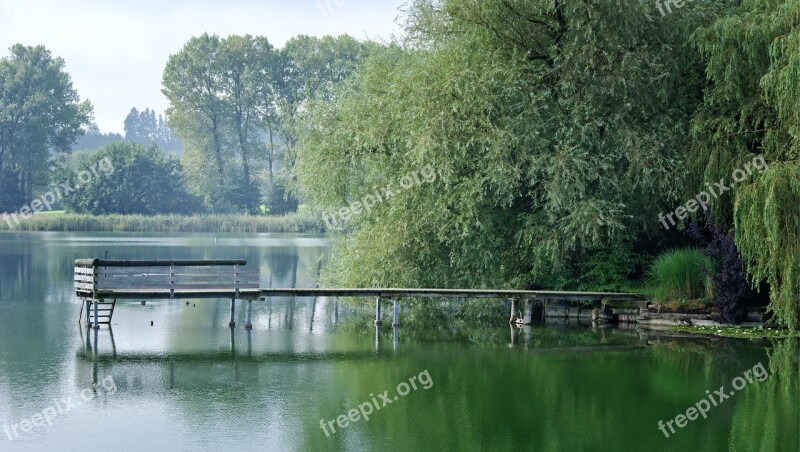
{"x": 451, "y": 293}
{"x": 98, "y": 280}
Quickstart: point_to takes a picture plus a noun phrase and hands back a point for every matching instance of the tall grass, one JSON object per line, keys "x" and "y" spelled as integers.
{"x": 297, "y": 222}
{"x": 677, "y": 275}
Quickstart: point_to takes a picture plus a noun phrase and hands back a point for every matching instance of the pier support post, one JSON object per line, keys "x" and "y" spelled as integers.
{"x": 396, "y": 319}
{"x": 378, "y": 314}
{"x": 232, "y": 323}
{"x": 527, "y": 318}
{"x": 96, "y": 323}
{"x": 513, "y": 311}
{"x": 88, "y": 313}
{"x": 249, "y": 324}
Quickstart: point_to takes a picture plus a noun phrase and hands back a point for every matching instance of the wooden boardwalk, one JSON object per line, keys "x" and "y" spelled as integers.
{"x": 97, "y": 281}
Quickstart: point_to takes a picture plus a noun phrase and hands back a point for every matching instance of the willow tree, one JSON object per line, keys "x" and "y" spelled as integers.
{"x": 556, "y": 129}
{"x": 751, "y": 109}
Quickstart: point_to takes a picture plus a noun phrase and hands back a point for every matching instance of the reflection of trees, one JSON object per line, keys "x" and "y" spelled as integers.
{"x": 767, "y": 416}
{"x": 498, "y": 398}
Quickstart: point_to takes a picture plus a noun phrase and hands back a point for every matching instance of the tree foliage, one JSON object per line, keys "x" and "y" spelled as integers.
{"x": 93, "y": 139}
{"x": 39, "y": 112}
{"x": 145, "y": 127}
{"x": 143, "y": 180}
{"x": 557, "y": 129}
{"x": 732, "y": 291}
{"x": 751, "y": 108}
{"x": 234, "y": 101}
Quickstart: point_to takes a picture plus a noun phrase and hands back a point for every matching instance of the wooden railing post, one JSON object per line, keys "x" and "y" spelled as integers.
{"x": 171, "y": 281}
{"x": 236, "y": 279}
{"x": 95, "y": 286}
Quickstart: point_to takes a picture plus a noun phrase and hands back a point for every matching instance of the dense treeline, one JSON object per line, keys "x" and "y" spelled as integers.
{"x": 560, "y": 130}
{"x": 143, "y": 127}
{"x": 147, "y": 128}
{"x": 563, "y": 140}
{"x": 234, "y": 103}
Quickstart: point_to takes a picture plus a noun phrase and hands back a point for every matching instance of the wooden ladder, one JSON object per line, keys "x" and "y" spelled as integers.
{"x": 105, "y": 312}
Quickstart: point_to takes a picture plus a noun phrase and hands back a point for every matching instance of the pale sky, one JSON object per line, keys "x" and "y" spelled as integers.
{"x": 115, "y": 51}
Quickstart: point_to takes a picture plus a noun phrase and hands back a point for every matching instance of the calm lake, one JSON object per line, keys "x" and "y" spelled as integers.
{"x": 191, "y": 383}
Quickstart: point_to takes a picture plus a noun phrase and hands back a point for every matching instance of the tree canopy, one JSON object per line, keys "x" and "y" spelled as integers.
{"x": 556, "y": 128}
{"x": 234, "y": 101}
{"x": 559, "y": 131}
{"x": 131, "y": 179}
{"x": 39, "y": 112}
{"x": 751, "y": 109}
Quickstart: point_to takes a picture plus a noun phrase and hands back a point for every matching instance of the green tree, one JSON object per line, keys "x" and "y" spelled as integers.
{"x": 237, "y": 98}
{"x": 133, "y": 179}
{"x": 557, "y": 129}
{"x": 750, "y": 110}
{"x": 313, "y": 68}
{"x": 194, "y": 80}
{"x": 249, "y": 72}
{"x": 94, "y": 139}
{"x": 39, "y": 112}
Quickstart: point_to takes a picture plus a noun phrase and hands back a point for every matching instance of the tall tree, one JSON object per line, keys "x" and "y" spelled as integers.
{"x": 239, "y": 96}
{"x": 246, "y": 60}
{"x": 39, "y": 112}
{"x": 751, "y": 111}
{"x": 556, "y": 129}
{"x": 193, "y": 81}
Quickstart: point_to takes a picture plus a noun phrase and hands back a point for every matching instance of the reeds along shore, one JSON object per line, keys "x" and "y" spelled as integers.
{"x": 296, "y": 222}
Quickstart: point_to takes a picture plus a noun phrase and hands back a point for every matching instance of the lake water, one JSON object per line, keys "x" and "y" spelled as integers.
{"x": 191, "y": 383}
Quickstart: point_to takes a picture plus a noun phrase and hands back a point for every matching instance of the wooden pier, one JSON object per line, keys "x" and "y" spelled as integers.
{"x": 98, "y": 280}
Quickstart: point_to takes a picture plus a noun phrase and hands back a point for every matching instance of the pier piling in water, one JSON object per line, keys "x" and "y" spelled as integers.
{"x": 378, "y": 313}
{"x": 249, "y": 324}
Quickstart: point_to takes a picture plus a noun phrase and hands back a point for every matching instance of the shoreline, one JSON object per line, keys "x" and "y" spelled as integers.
{"x": 68, "y": 222}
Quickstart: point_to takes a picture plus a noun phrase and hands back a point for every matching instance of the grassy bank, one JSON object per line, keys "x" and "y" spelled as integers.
{"x": 65, "y": 222}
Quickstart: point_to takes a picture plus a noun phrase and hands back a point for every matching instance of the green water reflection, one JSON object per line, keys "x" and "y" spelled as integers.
{"x": 190, "y": 383}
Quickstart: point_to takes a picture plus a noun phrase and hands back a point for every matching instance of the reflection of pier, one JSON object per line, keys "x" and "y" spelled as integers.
{"x": 238, "y": 364}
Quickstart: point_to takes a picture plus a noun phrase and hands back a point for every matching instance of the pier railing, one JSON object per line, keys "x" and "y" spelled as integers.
{"x": 98, "y": 280}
